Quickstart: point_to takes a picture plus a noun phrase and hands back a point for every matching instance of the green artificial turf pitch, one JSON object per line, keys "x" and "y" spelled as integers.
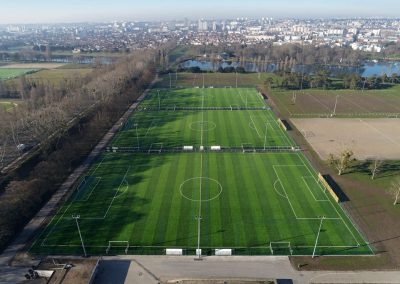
{"x": 208, "y": 98}
{"x": 253, "y": 203}
{"x": 247, "y": 202}
{"x": 175, "y": 129}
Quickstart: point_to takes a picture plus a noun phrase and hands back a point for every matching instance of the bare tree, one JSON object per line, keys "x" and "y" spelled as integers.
{"x": 341, "y": 162}
{"x": 375, "y": 167}
{"x": 394, "y": 190}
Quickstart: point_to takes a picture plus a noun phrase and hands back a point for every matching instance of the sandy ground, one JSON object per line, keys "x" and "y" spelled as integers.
{"x": 34, "y": 65}
{"x": 367, "y": 138}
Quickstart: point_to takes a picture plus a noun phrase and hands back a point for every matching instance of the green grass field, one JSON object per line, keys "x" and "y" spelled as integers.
{"x": 175, "y": 129}
{"x": 259, "y": 203}
{"x": 7, "y": 106}
{"x": 203, "y": 98}
{"x": 56, "y": 76}
{"x": 191, "y": 80}
{"x": 10, "y": 73}
{"x": 350, "y": 103}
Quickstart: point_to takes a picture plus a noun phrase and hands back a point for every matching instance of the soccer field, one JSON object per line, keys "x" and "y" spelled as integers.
{"x": 255, "y": 203}
{"x": 175, "y": 129}
{"x": 189, "y": 98}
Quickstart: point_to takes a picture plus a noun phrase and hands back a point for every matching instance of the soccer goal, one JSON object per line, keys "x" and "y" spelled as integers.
{"x": 248, "y": 148}
{"x": 155, "y": 147}
{"x": 119, "y": 245}
{"x": 280, "y": 248}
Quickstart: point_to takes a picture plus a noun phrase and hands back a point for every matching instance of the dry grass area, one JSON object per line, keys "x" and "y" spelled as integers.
{"x": 350, "y": 103}
{"x": 367, "y": 138}
{"x": 33, "y": 65}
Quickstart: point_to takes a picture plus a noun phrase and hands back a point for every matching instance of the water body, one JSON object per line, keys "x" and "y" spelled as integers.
{"x": 368, "y": 69}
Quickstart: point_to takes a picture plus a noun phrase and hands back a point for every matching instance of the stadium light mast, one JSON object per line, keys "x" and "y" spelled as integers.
{"x": 265, "y": 137}
{"x": 236, "y": 80}
{"x": 198, "y": 251}
{"x": 334, "y": 109}
{"x": 76, "y": 217}
{"x": 365, "y": 81}
{"x": 159, "y": 101}
{"x": 316, "y": 240}
{"x": 137, "y": 135}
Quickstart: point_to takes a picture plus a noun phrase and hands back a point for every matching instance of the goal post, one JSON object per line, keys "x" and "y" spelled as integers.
{"x": 155, "y": 148}
{"x": 248, "y": 148}
{"x": 275, "y": 247}
{"x": 118, "y": 244}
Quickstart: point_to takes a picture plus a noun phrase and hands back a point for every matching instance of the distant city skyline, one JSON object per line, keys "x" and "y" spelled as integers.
{"x": 65, "y": 11}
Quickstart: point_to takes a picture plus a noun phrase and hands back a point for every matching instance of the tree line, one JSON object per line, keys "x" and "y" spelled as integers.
{"x": 108, "y": 91}
{"x": 299, "y": 81}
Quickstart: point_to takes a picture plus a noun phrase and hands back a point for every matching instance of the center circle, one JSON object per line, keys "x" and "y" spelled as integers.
{"x": 210, "y": 189}
{"x": 202, "y": 125}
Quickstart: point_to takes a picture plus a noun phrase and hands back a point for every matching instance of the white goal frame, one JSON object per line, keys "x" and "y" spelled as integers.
{"x": 282, "y": 245}
{"x": 159, "y": 150}
{"x": 110, "y": 244}
{"x": 248, "y": 148}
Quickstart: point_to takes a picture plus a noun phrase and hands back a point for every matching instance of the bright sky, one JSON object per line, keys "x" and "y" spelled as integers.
{"x": 48, "y": 11}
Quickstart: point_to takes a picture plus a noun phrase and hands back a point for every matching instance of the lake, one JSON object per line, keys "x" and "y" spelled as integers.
{"x": 368, "y": 69}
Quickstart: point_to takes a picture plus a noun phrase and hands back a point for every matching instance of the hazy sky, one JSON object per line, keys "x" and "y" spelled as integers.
{"x": 46, "y": 11}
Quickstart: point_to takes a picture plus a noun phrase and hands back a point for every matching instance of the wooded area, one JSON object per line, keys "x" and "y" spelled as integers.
{"x": 107, "y": 91}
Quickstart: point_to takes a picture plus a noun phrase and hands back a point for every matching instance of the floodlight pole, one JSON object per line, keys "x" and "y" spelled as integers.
{"x": 316, "y": 240}
{"x": 265, "y": 137}
{"x": 365, "y": 81}
{"x": 76, "y": 217}
{"x": 198, "y": 236}
{"x": 203, "y": 81}
{"x": 334, "y": 109}
{"x": 159, "y": 101}
{"x": 137, "y": 136}
{"x": 236, "y": 80}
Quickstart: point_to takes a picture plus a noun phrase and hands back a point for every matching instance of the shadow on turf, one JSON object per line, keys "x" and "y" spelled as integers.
{"x": 387, "y": 169}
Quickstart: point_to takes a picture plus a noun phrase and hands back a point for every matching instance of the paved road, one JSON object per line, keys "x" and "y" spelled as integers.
{"x": 155, "y": 269}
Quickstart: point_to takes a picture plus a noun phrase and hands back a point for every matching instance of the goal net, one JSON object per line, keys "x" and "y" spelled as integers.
{"x": 155, "y": 148}
{"x": 280, "y": 248}
{"x": 248, "y": 148}
{"x": 118, "y": 245}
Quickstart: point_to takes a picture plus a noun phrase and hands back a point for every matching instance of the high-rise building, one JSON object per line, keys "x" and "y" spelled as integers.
{"x": 203, "y": 26}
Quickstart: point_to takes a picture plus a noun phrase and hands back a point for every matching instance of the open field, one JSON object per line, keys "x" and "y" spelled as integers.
{"x": 350, "y": 103}
{"x": 7, "y": 105}
{"x": 151, "y": 201}
{"x": 228, "y": 129}
{"x": 10, "y": 73}
{"x": 204, "y": 98}
{"x": 253, "y": 203}
{"x": 56, "y": 76}
{"x": 213, "y": 79}
{"x": 33, "y": 65}
{"x": 367, "y": 138}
